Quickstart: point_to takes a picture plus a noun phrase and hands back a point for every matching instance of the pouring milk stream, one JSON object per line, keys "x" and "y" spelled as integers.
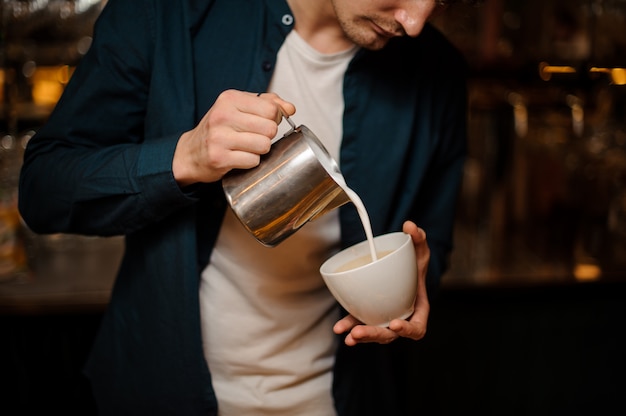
{"x": 360, "y": 207}
{"x": 334, "y": 172}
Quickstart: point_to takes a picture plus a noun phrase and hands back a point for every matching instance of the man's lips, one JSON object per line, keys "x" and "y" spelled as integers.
{"x": 383, "y": 32}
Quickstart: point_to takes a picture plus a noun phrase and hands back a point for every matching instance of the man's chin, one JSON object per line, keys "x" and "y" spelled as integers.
{"x": 374, "y": 44}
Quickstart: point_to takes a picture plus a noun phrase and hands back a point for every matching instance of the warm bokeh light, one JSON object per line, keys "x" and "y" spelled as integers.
{"x": 546, "y": 70}
{"x": 617, "y": 75}
{"x": 586, "y": 272}
{"x": 49, "y": 82}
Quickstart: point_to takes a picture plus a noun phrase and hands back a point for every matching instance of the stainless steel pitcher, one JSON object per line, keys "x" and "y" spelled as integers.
{"x": 296, "y": 182}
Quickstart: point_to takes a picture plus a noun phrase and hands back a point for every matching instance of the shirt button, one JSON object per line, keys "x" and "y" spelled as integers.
{"x": 267, "y": 66}
{"x": 287, "y": 20}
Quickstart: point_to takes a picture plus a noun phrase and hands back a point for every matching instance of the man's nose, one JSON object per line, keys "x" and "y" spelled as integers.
{"x": 413, "y": 17}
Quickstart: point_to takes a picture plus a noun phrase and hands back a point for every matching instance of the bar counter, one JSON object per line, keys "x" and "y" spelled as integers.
{"x": 64, "y": 274}
{"x": 75, "y": 274}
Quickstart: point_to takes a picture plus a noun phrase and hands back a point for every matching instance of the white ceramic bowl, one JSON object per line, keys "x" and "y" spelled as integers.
{"x": 377, "y": 292}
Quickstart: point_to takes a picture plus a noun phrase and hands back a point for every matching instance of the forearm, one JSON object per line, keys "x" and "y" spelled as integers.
{"x": 104, "y": 191}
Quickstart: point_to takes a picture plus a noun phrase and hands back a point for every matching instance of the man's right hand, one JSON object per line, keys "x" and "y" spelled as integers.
{"x": 234, "y": 133}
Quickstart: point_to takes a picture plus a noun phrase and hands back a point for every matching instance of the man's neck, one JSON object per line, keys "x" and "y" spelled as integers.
{"x": 316, "y": 23}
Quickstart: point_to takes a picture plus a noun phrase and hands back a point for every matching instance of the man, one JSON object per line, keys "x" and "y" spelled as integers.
{"x": 174, "y": 94}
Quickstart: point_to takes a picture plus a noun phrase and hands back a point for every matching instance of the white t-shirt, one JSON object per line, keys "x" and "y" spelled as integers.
{"x": 266, "y": 314}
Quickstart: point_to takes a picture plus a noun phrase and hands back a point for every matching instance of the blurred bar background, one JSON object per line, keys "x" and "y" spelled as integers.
{"x": 530, "y": 319}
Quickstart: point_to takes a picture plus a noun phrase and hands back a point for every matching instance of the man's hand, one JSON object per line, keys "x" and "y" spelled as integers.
{"x": 415, "y": 326}
{"x": 234, "y": 133}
